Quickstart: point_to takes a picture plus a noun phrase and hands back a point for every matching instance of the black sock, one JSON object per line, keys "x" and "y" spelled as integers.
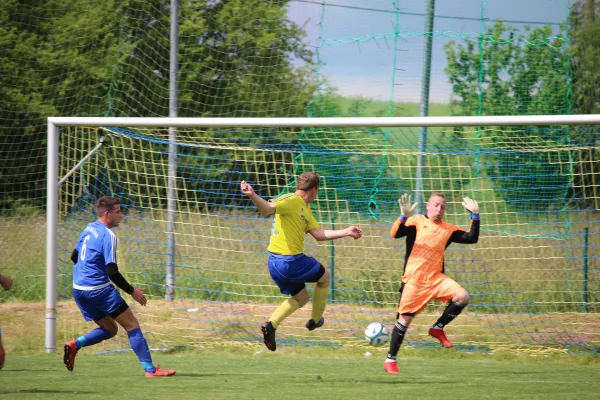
{"x": 397, "y": 337}
{"x": 452, "y": 311}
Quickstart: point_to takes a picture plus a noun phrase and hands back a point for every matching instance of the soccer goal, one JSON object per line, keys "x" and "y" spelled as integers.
{"x": 197, "y": 246}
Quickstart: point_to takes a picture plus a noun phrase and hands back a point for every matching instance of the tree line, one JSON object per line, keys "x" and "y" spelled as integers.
{"x": 506, "y": 71}
{"x": 246, "y": 58}
{"x": 237, "y": 58}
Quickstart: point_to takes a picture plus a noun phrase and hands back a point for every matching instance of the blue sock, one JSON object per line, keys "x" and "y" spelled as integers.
{"x": 140, "y": 348}
{"x": 93, "y": 337}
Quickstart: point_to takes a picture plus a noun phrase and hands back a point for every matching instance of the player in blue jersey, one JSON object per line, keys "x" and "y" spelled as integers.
{"x": 95, "y": 259}
{"x": 6, "y": 283}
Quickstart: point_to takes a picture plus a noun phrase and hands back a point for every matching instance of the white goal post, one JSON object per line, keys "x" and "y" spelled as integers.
{"x": 56, "y": 123}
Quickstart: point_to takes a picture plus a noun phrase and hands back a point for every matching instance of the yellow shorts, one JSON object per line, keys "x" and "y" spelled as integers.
{"x": 417, "y": 293}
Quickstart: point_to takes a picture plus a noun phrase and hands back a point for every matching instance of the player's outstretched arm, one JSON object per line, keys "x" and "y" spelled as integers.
{"x": 261, "y": 204}
{"x": 323, "y": 234}
{"x": 6, "y": 282}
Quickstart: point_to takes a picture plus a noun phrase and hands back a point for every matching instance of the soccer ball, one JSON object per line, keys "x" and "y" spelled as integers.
{"x": 377, "y": 334}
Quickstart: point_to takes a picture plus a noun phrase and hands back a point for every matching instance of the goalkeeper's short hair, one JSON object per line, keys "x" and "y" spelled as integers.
{"x": 438, "y": 194}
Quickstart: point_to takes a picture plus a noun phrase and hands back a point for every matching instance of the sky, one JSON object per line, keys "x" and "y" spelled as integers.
{"x": 362, "y": 57}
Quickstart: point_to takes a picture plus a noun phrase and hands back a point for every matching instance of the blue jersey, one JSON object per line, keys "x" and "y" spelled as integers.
{"x": 97, "y": 247}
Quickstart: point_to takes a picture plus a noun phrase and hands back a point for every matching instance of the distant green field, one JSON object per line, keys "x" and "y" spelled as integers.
{"x": 404, "y": 137}
{"x": 375, "y": 108}
{"x": 254, "y": 373}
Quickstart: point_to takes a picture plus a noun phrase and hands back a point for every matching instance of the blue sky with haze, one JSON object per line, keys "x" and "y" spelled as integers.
{"x": 356, "y": 41}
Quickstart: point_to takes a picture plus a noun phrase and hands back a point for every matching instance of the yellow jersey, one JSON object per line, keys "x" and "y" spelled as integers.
{"x": 293, "y": 218}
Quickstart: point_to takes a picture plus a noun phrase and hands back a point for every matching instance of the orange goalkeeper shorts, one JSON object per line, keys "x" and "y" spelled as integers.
{"x": 417, "y": 293}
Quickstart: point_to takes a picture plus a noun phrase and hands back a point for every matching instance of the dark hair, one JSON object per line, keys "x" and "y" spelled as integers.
{"x": 106, "y": 203}
{"x": 307, "y": 181}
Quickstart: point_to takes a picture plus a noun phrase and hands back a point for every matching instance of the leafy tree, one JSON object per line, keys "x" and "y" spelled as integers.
{"x": 508, "y": 72}
{"x": 585, "y": 58}
{"x": 238, "y": 60}
{"x": 88, "y": 58}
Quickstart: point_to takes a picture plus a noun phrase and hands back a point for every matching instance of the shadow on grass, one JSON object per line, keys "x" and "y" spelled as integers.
{"x": 29, "y": 370}
{"x": 48, "y": 391}
{"x": 197, "y": 375}
{"x": 390, "y": 381}
{"x": 386, "y": 380}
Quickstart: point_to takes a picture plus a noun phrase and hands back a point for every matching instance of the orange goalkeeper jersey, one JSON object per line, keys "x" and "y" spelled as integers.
{"x": 426, "y": 242}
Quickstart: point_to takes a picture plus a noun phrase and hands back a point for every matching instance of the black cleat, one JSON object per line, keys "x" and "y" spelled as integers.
{"x": 312, "y": 325}
{"x": 269, "y": 335}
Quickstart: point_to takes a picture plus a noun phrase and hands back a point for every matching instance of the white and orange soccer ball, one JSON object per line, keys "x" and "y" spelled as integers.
{"x": 377, "y": 334}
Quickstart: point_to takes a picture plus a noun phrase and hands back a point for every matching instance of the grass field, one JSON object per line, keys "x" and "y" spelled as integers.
{"x": 251, "y": 372}
{"x": 254, "y": 373}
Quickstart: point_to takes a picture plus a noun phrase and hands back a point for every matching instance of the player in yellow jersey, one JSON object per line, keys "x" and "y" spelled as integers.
{"x": 427, "y": 237}
{"x": 289, "y": 267}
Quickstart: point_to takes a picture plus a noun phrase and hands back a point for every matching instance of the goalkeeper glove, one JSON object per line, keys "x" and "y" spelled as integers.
{"x": 472, "y": 207}
{"x": 406, "y": 209}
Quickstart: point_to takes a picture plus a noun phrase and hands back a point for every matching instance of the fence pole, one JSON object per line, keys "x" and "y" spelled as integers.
{"x": 585, "y": 269}
{"x": 332, "y": 264}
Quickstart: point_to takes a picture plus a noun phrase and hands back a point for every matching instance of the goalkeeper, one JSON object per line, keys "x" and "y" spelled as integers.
{"x": 427, "y": 237}
{"x": 6, "y": 283}
{"x": 289, "y": 267}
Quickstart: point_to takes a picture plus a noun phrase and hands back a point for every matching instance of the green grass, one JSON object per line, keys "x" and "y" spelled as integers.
{"x": 404, "y": 137}
{"x": 254, "y": 373}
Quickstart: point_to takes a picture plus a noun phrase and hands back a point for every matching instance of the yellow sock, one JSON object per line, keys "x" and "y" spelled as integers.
{"x": 319, "y": 301}
{"x": 286, "y": 309}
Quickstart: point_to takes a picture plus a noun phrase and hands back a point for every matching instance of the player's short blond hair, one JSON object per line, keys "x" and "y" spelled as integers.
{"x": 438, "y": 194}
{"x": 307, "y": 181}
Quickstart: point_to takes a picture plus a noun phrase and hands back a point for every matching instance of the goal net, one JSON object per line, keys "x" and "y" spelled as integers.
{"x": 532, "y": 279}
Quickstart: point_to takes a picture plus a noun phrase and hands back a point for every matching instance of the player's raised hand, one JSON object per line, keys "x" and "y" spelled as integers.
{"x": 354, "y": 231}
{"x": 246, "y": 188}
{"x": 470, "y": 205}
{"x": 138, "y": 296}
{"x": 406, "y": 208}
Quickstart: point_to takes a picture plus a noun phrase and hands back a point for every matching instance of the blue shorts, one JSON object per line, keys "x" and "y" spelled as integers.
{"x": 291, "y": 273}
{"x": 97, "y": 304}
